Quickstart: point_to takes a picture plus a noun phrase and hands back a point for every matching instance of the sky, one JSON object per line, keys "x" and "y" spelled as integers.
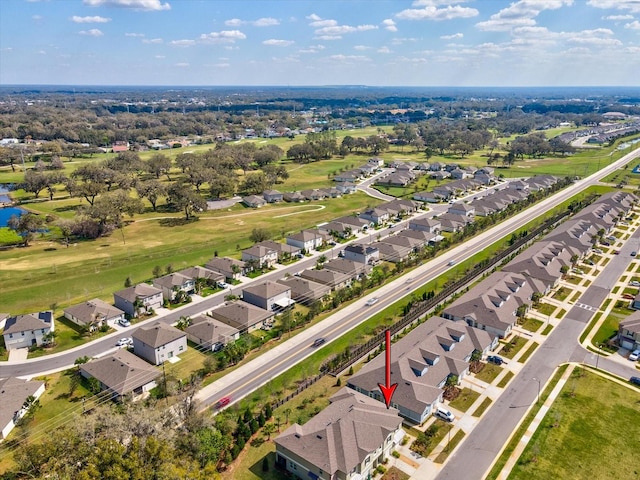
{"x": 322, "y": 42}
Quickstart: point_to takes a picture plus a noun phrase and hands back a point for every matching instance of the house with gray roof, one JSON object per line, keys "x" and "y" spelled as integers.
{"x": 461, "y": 208}
{"x": 425, "y": 238}
{"x": 346, "y": 188}
{"x": 421, "y": 363}
{"x": 201, "y": 273}
{"x": 376, "y": 215}
{"x": 93, "y": 314}
{"x": 210, "y": 334}
{"x": 264, "y": 257}
{"x": 268, "y": 295}
{"x": 308, "y": 240}
{"x": 293, "y": 197}
{"x": 173, "y": 283}
{"x": 122, "y": 374}
{"x": 360, "y": 253}
{"x": 231, "y": 268}
{"x": 272, "y": 196}
{"x": 14, "y": 393}
{"x": 347, "y": 440}
{"x": 141, "y": 298}
{"x": 431, "y": 225}
{"x": 283, "y": 250}
{"x": 305, "y": 291}
{"x": 333, "y": 279}
{"x": 392, "y": 252}
{"x": 254, "y": 201}
{"x": 355, "y": 270}
{"x": 158, "y": 342}
{"x": 242, "y": 316}
{"x": 24, "y": 331}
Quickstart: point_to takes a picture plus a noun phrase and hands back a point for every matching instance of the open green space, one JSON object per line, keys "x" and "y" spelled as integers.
{"x": 607, "y": 330}
{"x": 511, "y": 348}
{"x": 562, "y": 293}
{"x": 545, "y": 308}
{"x": 489, "y": 372}
{"x": 586, "y": 433}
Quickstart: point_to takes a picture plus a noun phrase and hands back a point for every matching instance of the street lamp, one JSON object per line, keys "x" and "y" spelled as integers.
{"x": 537, "y": 380}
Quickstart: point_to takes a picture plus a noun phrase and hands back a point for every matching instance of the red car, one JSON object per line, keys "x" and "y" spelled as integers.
{"x": 223, "y": 402}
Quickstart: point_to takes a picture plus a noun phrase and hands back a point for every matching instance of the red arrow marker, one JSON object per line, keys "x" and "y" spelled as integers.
{"x": 387, "y": 389}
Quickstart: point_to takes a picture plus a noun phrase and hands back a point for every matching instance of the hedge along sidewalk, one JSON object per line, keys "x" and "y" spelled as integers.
{"x": 524, "y": 440}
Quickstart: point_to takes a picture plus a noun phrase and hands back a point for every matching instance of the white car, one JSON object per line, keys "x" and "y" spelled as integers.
{"x": 635, "y": 355}
{"x": 124, "y": 342}
{"x": 124, "y": 322}
{"x": 445, "y": 414}
{"x": 634, "y": 283}
{"x": 371, "y": 301}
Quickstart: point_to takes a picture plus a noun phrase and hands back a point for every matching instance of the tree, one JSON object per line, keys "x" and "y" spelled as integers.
{"x": 157, "y": 271}
{"x": 34, "y": 182}
{"x": 128, "y": 282}
{"x": 254, "y": 183}
{"x": 259, "y": 235}
{"x": 158, "y": 165}
{"x": 185, "y": 199}
{"x": 152, "y": 190}
{"x": 26, "y": 226}
{"x": 222, "y": 185}
{"x": 108, "y": 209}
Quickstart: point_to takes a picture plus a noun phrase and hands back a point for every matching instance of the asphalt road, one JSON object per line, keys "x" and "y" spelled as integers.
{"x": 475, "y": 456}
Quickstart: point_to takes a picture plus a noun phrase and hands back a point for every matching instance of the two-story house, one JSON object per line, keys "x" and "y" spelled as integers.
{"x": 158, "y": 342}
{"x": 141, "y": 298}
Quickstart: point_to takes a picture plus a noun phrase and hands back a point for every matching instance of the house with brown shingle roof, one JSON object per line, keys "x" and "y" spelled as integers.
{"x": 629, "y": 332}
{"x": 421, "y": 363}
{"x": 122, "y": 374}
{"x": 23, "y": 331}
{"x": 158, "y": 342}
{"x": 140, "y": 298}
{"x": 305, "y": 291}
{"x": 173, "y": 283}
{"x": 346, "y": 440}
{"x": 13, "y": 395}
{"x": 210, "y": 334}
{"x": 268, "y": 295}
{"x": 242, "y": 315}
{"x": 93, "y": 314}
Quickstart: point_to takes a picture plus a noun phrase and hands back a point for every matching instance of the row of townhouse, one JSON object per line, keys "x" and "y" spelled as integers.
{"x": 493, "y": 304}
{"x": 274, "y": 196}
{"x": 356, "y": 432}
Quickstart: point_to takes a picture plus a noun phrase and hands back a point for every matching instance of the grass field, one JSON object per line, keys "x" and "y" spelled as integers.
{"x": 465, "y": 399}
{"x": 588, "y": 433}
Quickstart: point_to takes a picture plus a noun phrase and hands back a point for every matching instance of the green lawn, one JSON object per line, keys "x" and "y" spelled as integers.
{"x": 587, "y": 433}
{"x": 465, "y": 399}
{"x": 68, "y": 335}
{"x": 457, "y": 438}
{"x": 562, "y": 293}
{"x": 512, "y": 347}
{"x": 525, "y": 356}
{"x": 9, "y": 237}
{"x": 546, "y": 308}
{"x": 489, "y": 372}
{"x": 532, "y": 324}
{"x": 483, "y": 406}
{"x": 547, "y": 329}
{"x": 506, "y": 379}
{"x": 608, "y": 329}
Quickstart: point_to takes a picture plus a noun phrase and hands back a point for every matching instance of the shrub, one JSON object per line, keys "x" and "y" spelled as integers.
{"x": 395, "y": 454}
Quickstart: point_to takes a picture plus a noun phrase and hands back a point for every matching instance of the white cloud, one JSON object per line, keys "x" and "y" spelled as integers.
{"x": 631, "y": 5}
{"x": 149, "y": 5}
{"x": 265, "y": 22}
{"x": 520, "y": 14}
{"x": 432, "y": 12}
{"x": 452, "y": 36}
{"x": 616, "y": 18}
{"x": 94, "y": 19}
{"x": 327, "y": 37}
{"x": 182, "y": 64}
{"x": 221, "y": 65}
{"x": 384, "y": 50}
{"x": 342, "y": 29}
{"x": 37, "y": 18}
{"x": 324, "y": 23}
{"x": 182, "y": 43}
{"x": 94, "y": 32}
{"x": 635, "y": 25}
{"x": 313, "y": 17}
{"x": 400, "y": 40}
{"x": 160, "y": 57}
{"x": 361, "y": 47}
{"x": 350, "y": 58}
{"x": 312, "y": 49}
{"x": 152, "y": 40}
{"x": 224, "y": 36}
{"x": 390, "y": 25}
{"x": 135, "y": 35}
{"x": 278, "y": 43}
{"x": 42, "y": 52}
{"x": 261, "y": 22}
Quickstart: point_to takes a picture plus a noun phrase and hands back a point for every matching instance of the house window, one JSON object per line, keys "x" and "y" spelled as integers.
{"x": 181, "y": 348}
{"x": 42, "y": 330}
{"x": 11, "y": 335}
{"x": 22, "y": 333}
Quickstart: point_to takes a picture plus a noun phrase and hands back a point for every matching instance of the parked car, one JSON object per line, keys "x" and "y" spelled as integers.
{"x": 223, "y": 285}
{"x": 611, "y": 238}
{"x": 371, "y": 301}
{"x": 597, "y": 250}
{"x": 635, "y": 380}
{"x": 223, "y": 402}
{"x": 124, "y": 322}
{"x": 124, "y": 342}
{"x": 634, "y": 283}
{"x": 616, "y": 252}
{"x": 318, "y": 341}
{"x": 495, "y": 359}
{"x": 606, "y": 244}
{"x": 635, "y": 355}
{"x": 628, "y": 296}
{"x": 445, "y": 414}
{"x": 634, "y": 253}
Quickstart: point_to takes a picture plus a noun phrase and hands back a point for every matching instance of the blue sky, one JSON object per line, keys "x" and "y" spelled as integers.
{"x": 323, "y": 42}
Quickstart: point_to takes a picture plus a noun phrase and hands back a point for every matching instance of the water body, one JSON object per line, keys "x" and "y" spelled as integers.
{"x": 7, "y": 213}
{"x": 4, "y": 198}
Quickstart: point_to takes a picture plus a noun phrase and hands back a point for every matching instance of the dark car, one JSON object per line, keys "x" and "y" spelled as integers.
{"x": 495, "y": 359}
{"x": 318, "y": 341}
{"x": 223, "y": 402}
{"x": 635, "y": 380}
{"x": 634, "y": 253}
